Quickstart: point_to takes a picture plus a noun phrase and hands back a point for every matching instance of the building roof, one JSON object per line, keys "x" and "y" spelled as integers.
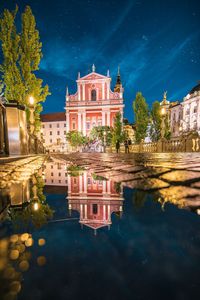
{"x": 195, "y": 89}
{"x": 53, "y": 117}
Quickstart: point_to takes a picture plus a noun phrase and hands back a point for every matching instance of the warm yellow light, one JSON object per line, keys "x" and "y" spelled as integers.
{"x": 180, "y": 128}
{"x": 31, "y": 100}
{"x": 36, "y": 206}
{"x": 104, "y": 133}
{"x": 163, "y": 111}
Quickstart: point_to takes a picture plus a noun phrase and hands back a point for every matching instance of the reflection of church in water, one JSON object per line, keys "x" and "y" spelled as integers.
{"x": 94, "y": 199}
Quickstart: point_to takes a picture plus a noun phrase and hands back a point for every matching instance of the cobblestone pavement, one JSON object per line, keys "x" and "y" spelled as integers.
{"x": 174, "y": 177}
{"x": 19, "y": 169}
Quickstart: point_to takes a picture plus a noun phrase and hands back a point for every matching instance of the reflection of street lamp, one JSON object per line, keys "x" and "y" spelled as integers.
{"x": 163, "y": 114}
{"x": 35, "y": 206}
{"x": 104, "y": 141}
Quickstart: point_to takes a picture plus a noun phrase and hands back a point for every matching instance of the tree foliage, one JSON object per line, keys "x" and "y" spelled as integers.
{"x": 97, "y": 132}
{"x": 155, "y": 122}
{"x": 117, "y": 133}
{"x": 75, "y": 138}
{"x": 22, "y": 53}
{"x": 140, "y": 108}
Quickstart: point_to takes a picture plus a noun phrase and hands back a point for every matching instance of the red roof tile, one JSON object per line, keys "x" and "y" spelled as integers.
{"x": 60, "y": 116}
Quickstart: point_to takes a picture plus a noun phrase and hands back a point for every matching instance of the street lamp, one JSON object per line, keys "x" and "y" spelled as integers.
{"x": 163, "y": 114}
{"x": 104, "y": 141}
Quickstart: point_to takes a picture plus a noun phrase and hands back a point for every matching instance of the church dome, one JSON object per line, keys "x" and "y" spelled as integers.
{"x": 195, "y": 89}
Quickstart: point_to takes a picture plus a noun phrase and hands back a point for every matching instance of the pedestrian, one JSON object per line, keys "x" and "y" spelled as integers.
{"x": 117, "y": 146}
{"x": 126, "y": 146}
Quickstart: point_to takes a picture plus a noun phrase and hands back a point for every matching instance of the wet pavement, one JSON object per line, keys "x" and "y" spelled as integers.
{"x": 100, "y": 226}
{"x": 175, "y": 177}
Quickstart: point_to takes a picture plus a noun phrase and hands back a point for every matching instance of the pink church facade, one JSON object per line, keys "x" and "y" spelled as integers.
{"x": 94, "y": 199}
{"x": 94, "y": 104}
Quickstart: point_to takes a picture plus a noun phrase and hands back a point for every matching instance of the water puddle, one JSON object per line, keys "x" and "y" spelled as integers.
{"x": 66, "y": 232}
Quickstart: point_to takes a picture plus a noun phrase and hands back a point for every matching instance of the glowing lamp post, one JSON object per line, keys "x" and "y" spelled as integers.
{"x": 163, "y": 114}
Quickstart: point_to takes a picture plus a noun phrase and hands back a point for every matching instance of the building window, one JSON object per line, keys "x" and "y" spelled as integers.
{"x": 65, "y": 132}
{"x": 50, "y": 126}
{"x": 87, "y": 125}
{"x": 58, "y": 132}
{"x": 43, "y": 126}
{"x": 187, "y": 111}
{"x": 59, "y": 174}
{"x": 58, "y": 141}
{"x": 73, "y": 126}
{"x": 65, "y": 174}
{"x": 50, "y": 140}
{"x": 50, "y": 132}
{"x": 93, "y": 95}
{"x": 51, "y": 167}
{"x": 195, "y": 109}
{"x": 94, "y": 209}
{"x": 51, "y": 173}
{"x": 64, "y": 124}
{"x": 58, "y": 125}
{"x": 89, "y": 181}
{"x": 52, "y": 181}
{"x": 59, "y": 181}
{"x": 65, "y": 181}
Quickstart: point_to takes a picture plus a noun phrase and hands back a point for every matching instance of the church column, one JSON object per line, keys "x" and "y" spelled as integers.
{"x": 104, "y": 212}
{"x": 79, "y": 122}
{"x": 108, "y": 90}
{"x": 84, "y": 123}
{"x": 83, "y": 91}
{"x": 109, "y": 216}
{"x": 103, "y": 118}
{"x": 79, "y": 92}
{"x": 103, "y": 90}
{"x": 85, "y": 206}
{"x": 85, "y": 182}
{"x": 81, "y": 211}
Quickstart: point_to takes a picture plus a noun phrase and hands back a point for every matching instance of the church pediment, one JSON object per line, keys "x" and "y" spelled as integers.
{"x": 93, "y": 76}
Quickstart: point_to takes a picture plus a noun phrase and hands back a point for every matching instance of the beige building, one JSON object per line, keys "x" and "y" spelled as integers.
{"x": 54, "y": 131}
{"x": 175, "y": 118}
{"x": 55, "y": 174}
{"x": 191, "y": 110}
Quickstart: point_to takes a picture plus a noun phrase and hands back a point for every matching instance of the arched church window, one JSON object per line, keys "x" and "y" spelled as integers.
{"x": 93, "y": 95}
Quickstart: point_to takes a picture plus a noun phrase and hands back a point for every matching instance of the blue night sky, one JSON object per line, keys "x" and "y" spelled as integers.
{"x": 156, "y": 43}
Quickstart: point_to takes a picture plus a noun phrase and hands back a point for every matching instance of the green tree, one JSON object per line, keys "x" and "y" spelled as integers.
{"x": 117, "y": 133}
{"x": 140, "y": 108}
{"x": 75, "y": 138}
{"x": 10, "y": 43}
{"x": 97, "y": 132}
{"x": 30, "y": 57}
{"x": 155, "y": 122}
{"x": 22, "y": 53}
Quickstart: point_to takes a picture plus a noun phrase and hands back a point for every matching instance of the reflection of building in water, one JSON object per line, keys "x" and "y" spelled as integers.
{"x": 95, "y": 200}
{"x": 55, "y": 174}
